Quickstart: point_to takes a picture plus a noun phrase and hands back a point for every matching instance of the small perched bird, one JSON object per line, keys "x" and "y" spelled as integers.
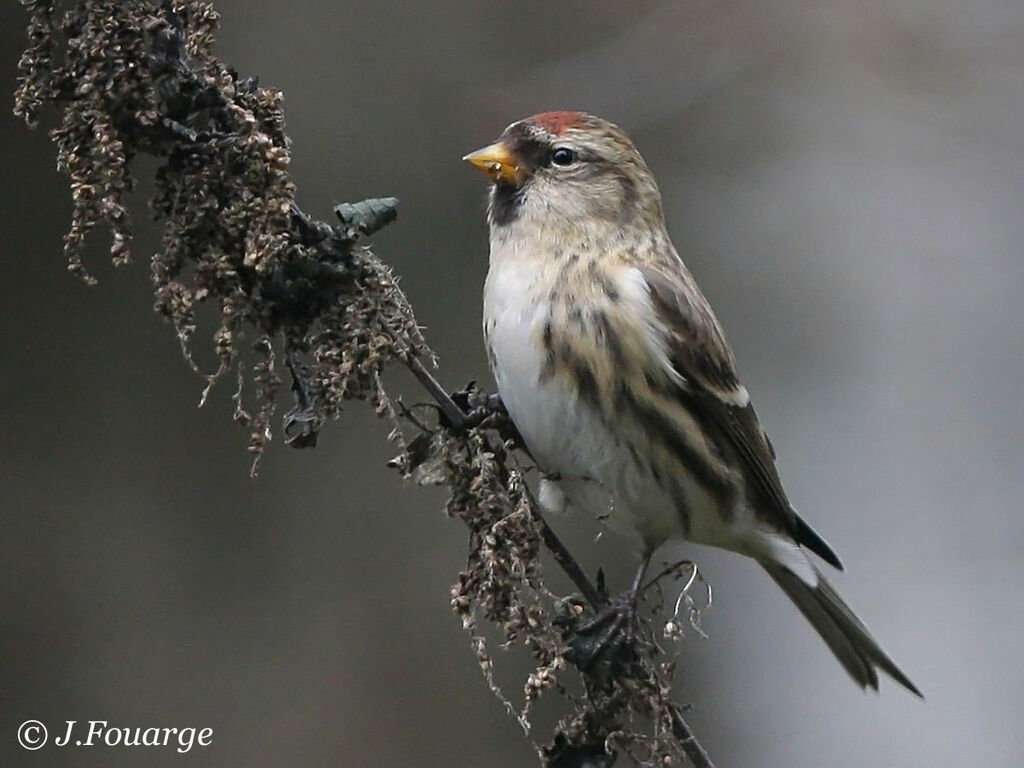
{"x": 617, "y": 374}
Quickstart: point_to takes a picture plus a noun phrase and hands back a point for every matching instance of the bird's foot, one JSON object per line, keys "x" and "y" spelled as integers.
{"x": 608, "y": 643}
{"x": 484, "y": 411}
{"x": 617, "y": 618}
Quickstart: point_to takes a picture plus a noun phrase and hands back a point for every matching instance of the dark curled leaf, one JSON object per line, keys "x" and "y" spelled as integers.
{"x": 301, "y": 289}
{"x": 302, "y": 423}
{"x": 301, "y": 428}
{"x": 306, "y": 230}
{"x": 562, "y": 754}
{"x": 368, "y": 216}
{"x": 417, "y": 451}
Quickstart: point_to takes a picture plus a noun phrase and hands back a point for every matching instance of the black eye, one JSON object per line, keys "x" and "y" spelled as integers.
{"x": 563, "y": 156}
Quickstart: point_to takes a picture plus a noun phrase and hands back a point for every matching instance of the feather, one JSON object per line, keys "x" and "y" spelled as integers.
{"x": 846, "y": 636}
{"x": 712, "y": 391}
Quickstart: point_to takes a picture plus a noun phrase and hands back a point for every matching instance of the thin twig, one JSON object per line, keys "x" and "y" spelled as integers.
{"x": 448, "y": 407}
{"x": 693, "y": 749}
{"x": 666, "y": 571}
{"x": 457, "y": 418}
{"x": 567, "y": 562}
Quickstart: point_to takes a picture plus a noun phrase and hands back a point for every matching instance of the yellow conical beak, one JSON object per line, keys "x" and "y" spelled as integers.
{"x": 499, "y": 162}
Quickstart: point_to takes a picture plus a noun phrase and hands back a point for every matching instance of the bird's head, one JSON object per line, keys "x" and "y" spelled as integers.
{"x": 571, "y": 167}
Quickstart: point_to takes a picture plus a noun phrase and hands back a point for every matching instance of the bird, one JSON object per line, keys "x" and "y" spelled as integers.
{"x": 617, "y": 374}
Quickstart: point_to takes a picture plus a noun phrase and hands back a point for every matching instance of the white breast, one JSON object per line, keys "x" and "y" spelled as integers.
{"x": 547, "y": 413}
{"x": 593, "y": 465}
{"x": 566, "y": 437}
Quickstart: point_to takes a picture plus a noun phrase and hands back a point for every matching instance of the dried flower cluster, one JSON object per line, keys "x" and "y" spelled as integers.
{"x": 625, "y": 702}
{"x": 138, "y": 76}
{"x": 135, "y": 77}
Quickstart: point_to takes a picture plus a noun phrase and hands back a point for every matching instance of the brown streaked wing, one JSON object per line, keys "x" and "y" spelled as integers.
{"x": 699, "y": 354}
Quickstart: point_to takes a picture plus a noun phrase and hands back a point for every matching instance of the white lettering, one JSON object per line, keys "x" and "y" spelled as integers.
{"x": 100, "y": 733}
{"x": 191, "y": 735}
{"x": 67, "y": 735}
{"x": 95, "y": 731}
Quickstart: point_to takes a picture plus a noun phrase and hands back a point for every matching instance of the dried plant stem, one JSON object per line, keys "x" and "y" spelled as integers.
{"x": 568, "y": 563}
{"x": 448, "y": 407}
{"x": 457, "y": 418}
{"x": 693, "y": 749}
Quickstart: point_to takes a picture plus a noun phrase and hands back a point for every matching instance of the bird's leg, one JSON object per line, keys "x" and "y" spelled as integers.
{"x": 617, "y": 625}
{"x": 621, "y": 611}
{"x": 631, "y": 597}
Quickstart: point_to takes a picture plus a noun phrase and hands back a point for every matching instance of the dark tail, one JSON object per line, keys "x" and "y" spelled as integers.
{"x": 844, "y": 633}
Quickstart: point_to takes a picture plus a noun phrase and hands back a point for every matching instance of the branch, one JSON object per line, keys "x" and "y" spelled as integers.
{"x": 568, "y": 563}
{"x": 459, "y": 420}
{"x": 452, "y": 412}
{"x": 132, "y": 77}
{"x": 697, "y": 754}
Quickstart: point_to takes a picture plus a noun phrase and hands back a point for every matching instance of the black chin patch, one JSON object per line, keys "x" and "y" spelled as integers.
{"x": 506, "y": 204}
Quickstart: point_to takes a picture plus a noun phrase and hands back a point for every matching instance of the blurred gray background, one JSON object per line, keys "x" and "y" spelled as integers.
{"x": 844, "y": 179}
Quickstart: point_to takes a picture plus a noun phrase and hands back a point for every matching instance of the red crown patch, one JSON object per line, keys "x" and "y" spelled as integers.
{"x": 556, "y": 123}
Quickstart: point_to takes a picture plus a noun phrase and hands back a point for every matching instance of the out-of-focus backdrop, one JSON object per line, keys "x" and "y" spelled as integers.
{"x": 846, "y": 180}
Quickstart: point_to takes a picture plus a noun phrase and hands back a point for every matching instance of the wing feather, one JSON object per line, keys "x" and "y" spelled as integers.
{"x": 712, "y": 391}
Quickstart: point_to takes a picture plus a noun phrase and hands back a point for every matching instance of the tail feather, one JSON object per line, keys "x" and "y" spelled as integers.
{"x": 842, "y": 631}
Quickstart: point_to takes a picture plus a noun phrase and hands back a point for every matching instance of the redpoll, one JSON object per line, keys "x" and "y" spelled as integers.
{"x": 617, "y": 374}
